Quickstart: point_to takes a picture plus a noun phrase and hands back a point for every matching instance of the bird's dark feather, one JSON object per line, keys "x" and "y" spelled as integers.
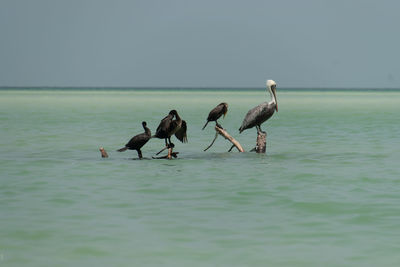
{"x": 164, "y": 127}
{"x": 216, "y": 113}
{"x": 138, "y": 141}
{"x": 181, "y": 133}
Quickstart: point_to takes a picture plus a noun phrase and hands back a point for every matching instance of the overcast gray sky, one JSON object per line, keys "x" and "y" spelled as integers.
{"x": 338, "y": 43}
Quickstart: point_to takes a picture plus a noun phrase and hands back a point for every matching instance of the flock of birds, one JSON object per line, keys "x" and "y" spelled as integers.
{"x": 173, "y": 124}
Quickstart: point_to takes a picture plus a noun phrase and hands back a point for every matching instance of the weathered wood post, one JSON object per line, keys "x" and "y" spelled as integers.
{"x": 103, "y": 152}
{"x": 261, "y": 142}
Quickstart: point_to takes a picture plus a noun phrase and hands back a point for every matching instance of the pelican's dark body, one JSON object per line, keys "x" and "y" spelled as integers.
{"x": 257, "y": 115}
{"x": 216, "y": 113}
{"x": 138, "y": 141}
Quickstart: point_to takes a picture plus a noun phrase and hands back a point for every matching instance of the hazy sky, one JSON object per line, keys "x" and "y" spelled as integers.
{"x": 337, "y": 43}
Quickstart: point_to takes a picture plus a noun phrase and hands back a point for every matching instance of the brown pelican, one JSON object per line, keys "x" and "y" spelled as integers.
{"x": 138, "y": 141}
{"x": 257, "y": 115}
{"x": 216, "y": 113}
{"x": 168, "y": 127}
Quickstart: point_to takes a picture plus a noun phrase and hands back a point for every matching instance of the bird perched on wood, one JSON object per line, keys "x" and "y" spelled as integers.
{"x": 259, "y": 114}
{"x": 216, "y": 113}
{"x": 138, "y": 141}
{"x": 169, "y": 127}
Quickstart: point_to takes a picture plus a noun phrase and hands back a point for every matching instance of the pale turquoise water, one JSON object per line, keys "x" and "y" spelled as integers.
{"x": 326, "y": 194}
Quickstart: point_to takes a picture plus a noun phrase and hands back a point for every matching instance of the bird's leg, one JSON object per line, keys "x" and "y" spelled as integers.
{"x": 218, "y": 125}
{"x": 171, "y": 147}
{"x": 259, "y": 131}
{"x": 258, "y": 135}
{"x": 170, "y": 143}
{"x": 139, "y": 154}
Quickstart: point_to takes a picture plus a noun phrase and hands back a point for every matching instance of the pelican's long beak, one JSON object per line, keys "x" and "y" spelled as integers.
{"x": 276, "y": 100}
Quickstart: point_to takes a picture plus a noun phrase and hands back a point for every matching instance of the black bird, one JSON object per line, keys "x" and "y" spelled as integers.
{"x": 169, "y": 127}
{"x": 216, "y": 113}
{"x": 138, "y": 141}
{"x": 257, "y": 115}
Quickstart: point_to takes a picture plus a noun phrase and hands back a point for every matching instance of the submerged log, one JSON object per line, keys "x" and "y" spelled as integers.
{"x": 227, "y": 136}
{"x": 170, "y": 153}
{"x": 169, "y": 156}
{"x": 103, "y": 152}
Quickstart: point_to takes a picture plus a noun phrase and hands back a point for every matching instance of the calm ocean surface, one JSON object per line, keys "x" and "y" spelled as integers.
{"x": 327, "y": 193}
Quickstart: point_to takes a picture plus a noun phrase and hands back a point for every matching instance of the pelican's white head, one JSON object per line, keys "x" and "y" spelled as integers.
{"x": 271, "y": 85}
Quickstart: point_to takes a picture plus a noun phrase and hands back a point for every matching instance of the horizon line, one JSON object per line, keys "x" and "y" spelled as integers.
{"x": 195, "y": 87}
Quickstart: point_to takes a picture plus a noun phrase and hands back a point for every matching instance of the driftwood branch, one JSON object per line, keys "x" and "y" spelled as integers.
{"x": 215, "y": 138}
{"x": 227, "y": 136}
{"x": 162, "y": 150}
{"x": 170, "y": 154}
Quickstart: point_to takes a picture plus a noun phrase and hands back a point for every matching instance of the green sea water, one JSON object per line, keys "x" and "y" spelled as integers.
{"x": 326, "y": 193}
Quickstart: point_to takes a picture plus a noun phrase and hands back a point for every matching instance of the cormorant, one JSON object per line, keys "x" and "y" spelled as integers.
{"x": 216, "y": 113}
{"x": 168, "y": 127}
{"x": 138, "y": 141}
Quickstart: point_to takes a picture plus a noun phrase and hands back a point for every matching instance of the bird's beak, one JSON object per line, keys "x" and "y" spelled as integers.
{"x": 274, "y": 92}
{"x": 225, "y": 113}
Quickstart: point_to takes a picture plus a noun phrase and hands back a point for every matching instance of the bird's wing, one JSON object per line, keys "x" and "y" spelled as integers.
{"x": 181, "y": 133}
{"x": 164, "y": 125}
{"x": 213, "y": 115}
{"x": 252, "y": 117}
